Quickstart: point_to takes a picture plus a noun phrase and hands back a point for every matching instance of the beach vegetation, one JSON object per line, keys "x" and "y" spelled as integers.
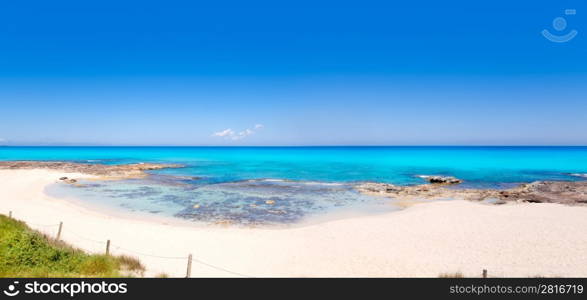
{"x": 28, "y": 253}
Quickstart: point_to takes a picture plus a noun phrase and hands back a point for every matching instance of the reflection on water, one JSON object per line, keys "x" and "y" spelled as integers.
{"x": 251, "y": 202}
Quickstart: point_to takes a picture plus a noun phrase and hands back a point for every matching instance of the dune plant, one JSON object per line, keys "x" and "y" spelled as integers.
{"x": 28, "y": 253}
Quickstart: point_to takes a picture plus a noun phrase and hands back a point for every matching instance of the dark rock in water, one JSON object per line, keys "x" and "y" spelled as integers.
{"x": 72, "y": 181}
{"x": 442, "y": 179}
{"x": 63, "y": 178}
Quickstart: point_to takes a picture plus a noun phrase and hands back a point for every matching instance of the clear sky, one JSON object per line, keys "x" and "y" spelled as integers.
{"x": 292, "y": 73}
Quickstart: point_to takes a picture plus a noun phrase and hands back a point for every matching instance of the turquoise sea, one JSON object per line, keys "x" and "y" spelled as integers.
{"x": 272, "y": 185}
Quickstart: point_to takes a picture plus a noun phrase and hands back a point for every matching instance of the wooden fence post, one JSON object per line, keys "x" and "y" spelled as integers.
{"x": 108, "y": 247}
{"x": 59, "y": 231}
{"x": 189, "y": 271}
{"x": 484, "y": 273}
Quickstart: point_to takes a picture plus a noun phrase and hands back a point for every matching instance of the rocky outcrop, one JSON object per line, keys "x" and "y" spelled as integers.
{"x": 108, "y": 171}
{"x": 422, "y": 192}
{"x": 565, "y": 192}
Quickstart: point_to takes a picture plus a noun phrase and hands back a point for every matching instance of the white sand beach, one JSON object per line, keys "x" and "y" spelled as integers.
{"x": 513, "y": 240}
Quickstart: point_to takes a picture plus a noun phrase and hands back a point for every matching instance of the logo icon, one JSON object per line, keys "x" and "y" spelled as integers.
{"x": 559, "y": 24}
{"x": 12, "y": 291}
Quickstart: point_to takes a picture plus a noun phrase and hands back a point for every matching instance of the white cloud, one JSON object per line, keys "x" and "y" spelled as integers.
{"x": 235, "y": 136}
{"x": 224, "y": 133}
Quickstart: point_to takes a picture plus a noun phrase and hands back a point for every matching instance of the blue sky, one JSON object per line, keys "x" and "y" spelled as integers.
{"x": 291, "y": 73}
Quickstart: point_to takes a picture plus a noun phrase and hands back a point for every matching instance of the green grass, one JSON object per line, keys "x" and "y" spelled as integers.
{"x": 28, "y": 253}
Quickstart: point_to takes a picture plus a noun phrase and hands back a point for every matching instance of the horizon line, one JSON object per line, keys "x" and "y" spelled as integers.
{"x": 298, "y": 146}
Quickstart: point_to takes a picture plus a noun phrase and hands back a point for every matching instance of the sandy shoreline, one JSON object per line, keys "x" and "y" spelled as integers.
{"x": 517, "y": 240}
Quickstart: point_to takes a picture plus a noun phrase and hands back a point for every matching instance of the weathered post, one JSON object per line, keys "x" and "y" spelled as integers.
{"x": 59, "y": 231}
{"x": 108, "y": 247}
{"x": 484, "y": 273}
{"x": 189, "y": 271}
{"x": 10, "y": 214}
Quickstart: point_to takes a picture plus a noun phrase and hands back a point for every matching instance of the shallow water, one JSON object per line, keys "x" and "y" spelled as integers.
{"x": 251, "y": 202}
{"x": 284, "y": 185}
